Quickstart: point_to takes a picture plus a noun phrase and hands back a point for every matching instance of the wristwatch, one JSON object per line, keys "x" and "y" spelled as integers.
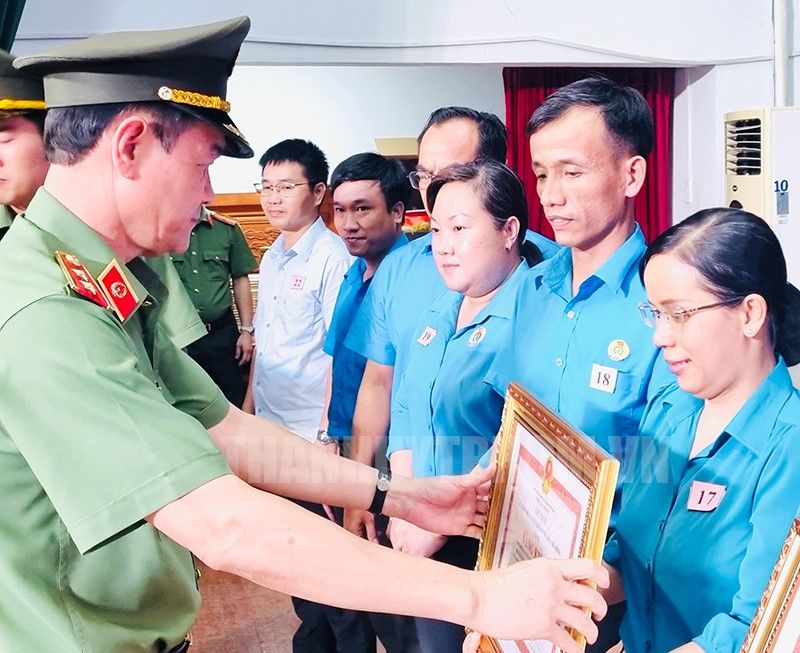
{"x": 323, "y": 437}
{"x": 381, "y": 488}
{"x": 247, "y": 329}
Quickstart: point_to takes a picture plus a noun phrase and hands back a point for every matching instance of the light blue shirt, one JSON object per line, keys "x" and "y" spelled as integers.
{"x": 348, "y": 366}
{"x": 405, "y": 284}
{"x": 567, "y": 350}
{"x": 297, "y": 290}
{"x": 445, "y": 412}
{"x": 691, "y": 575}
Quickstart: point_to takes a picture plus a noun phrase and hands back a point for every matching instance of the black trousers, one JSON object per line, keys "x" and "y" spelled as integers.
{"x": 326, "y": 629}
{"x": 216, "y": 354}
{"x": 441, "y": 636}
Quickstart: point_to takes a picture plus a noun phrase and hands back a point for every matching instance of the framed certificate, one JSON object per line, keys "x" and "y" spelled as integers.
{"x": 551, "y": 496}
{"x": 776, "y": 626}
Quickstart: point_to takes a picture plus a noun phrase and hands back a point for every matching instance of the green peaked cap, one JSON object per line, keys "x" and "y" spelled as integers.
{"x": 187, "y": 67}
{"x": 19, "y": 91}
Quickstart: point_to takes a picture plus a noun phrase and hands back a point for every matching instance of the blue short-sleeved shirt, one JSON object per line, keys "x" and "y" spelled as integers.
{"x": 348, "y": 366}
{"x": 405, "y": 284}
{"x": 588, "y": 356}
{"x": 445, "y": 412}
{"x": 692, "y": 575}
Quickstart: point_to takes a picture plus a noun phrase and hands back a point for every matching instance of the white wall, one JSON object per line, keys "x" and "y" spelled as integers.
{"x": 722, "y": 46}
{"x": 683, "y": 32}
{"x": 343, "y": 108}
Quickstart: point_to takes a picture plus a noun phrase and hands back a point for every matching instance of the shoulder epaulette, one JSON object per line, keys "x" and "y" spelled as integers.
{"x": 223, "y": 218}
{"x": 80, "y": 280}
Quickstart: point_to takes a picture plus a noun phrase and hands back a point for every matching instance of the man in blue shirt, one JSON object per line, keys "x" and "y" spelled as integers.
{"x": 408, "y": 281}
{"x": 586, "y": 352}
{"x": 369, "y": 197}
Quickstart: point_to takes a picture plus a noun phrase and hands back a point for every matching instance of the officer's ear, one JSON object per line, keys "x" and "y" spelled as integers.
{"x": 128, "y": 142}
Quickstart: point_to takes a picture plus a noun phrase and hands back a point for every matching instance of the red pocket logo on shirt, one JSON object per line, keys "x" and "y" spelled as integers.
{"x": 705, "y": 497}
{"x": 297, "y": 282}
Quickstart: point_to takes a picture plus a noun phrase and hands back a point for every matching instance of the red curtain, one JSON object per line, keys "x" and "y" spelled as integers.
{"x": 526, "y": 89}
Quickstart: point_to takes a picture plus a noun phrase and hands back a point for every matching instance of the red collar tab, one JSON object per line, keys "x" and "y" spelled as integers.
{"x": 79, "y": 278}
{"x": 118, "y": 290}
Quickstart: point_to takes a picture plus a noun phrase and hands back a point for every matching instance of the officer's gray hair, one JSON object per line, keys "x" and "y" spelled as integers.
{"x": 70, "y": 133}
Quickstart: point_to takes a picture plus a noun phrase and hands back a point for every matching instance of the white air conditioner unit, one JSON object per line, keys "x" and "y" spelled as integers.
{"x": 762, "y": 175}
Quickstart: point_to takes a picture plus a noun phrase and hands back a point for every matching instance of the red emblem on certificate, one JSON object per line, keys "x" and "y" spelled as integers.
{"x": 79, "y": 278}
{"x": 119, "y": 292}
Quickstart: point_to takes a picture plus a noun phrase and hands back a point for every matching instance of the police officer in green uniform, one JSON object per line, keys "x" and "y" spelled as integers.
{"x": 22, "y": 160}
{"x": 23, "y": 166}
{"x": 217, "y": 259}
{"x": 119, "y": 456}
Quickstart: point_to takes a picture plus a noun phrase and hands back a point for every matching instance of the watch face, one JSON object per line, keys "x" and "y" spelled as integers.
{"x": 383, "y": 484}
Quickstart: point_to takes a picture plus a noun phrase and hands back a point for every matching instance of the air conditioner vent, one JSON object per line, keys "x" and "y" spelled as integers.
{"x": 743, "y": 147}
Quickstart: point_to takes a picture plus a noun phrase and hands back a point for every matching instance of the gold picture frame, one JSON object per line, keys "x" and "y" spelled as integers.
{"x": 552, "y": 494}
{"x": 776, "y": 625}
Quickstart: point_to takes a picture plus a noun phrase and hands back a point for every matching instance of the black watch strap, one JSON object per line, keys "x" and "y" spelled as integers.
{"x": 381, "y": 488}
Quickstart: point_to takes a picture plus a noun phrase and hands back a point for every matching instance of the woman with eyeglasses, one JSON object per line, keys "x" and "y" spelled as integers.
{"x": 710, "y": 493}
{"x": 445, "y": 416}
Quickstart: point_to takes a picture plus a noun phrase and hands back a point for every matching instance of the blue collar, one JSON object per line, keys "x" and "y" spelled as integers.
{"x": 615, "y": 272}
{"x": 756, "y": 418}
{"x": 360, "y": 265}
{"x": 502, "y": 305}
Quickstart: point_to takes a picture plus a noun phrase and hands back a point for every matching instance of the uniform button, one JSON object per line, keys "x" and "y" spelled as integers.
{"x": 216, "y": 258}
{"x": 649, "y": 567}
{"x": 274, "y": 297}
{"x": 195, "y": 271}
{"x": 197, "y": 289}
{"x": 570, "y": 314}
{"x": 559, "y": 362}
{"x": 147, "y": 303}
{"x": 661, "y": 525}
{"x": 258, "y": 384}
{"x": 648, "y": 646}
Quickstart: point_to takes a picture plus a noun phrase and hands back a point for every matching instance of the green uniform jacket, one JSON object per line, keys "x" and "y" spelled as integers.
{"x": 218, "y": 252}
{"x": 6, "y": 218}
{"x": 102, "y": 422}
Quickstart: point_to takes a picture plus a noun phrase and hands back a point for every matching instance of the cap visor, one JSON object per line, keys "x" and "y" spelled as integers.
{"x": 236, "y": 145}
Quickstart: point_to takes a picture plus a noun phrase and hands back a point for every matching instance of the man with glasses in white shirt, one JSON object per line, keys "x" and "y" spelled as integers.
{"x": 298, "y": 282}
{"x": 299, "y": 279}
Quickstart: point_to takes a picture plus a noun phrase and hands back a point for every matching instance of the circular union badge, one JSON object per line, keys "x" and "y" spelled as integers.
{"x": 476, "y": 336}
{"x": 618, "y": 350}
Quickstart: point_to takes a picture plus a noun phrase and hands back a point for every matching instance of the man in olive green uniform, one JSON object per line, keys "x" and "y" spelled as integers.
{"x": 22, "y": 160}
{"x": 119, "y": 456}
{"x": 219, "y": 257}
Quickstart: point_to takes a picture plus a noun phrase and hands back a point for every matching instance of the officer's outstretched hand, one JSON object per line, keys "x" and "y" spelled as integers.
{"x": 540, "y": 599}
{"x": 451, "y": 505}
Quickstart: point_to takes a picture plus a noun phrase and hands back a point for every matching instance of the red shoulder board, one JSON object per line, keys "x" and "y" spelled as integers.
{"x": 223, "y": 218}
{"x": 79, "y": 278}
{"x": 118, "y": 290}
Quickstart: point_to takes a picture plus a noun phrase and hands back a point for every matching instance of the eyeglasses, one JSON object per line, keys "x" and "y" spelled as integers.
{"x": 283, "y": 188}
{"x": 650, "y": 314}
{"x": 419, "y": 178}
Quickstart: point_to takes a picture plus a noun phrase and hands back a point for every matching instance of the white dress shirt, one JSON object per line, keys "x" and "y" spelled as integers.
{"x": 297, "y": 289}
